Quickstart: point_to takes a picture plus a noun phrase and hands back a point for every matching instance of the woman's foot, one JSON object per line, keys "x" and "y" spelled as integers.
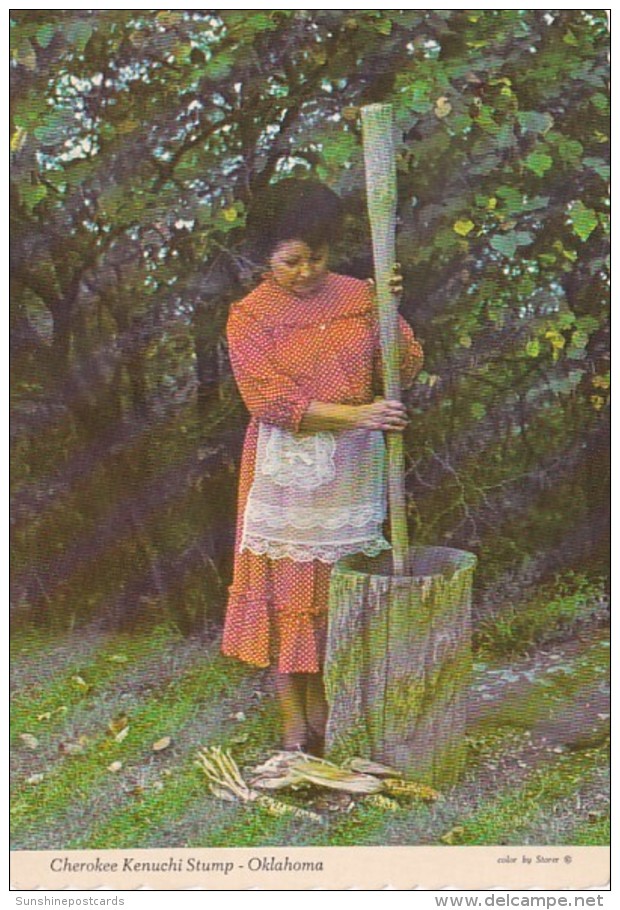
{"x": 292, "y": 710}
{"x": 316, "y": 714}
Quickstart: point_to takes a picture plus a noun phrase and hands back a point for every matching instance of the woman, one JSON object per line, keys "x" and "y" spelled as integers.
{"x": 304, "y": 347}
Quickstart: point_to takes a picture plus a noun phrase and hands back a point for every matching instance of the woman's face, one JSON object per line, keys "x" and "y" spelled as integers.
{"x": 298, "y": 268}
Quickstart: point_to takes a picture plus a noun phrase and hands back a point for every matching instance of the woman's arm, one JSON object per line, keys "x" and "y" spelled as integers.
{"x": 381, "y": 414}
{"x": 269, "y": 392}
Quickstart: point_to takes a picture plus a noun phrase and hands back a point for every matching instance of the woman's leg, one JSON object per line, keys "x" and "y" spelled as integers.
{"x": 290, "y": 688}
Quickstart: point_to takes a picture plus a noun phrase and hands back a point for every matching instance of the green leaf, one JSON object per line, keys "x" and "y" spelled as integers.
{"x": 547, "y": 258}
{"x": 220, "y": 65}
{"x": 587, "y": 324}
{"x": 539, "y": 162}
{"x": 565, "y": 320}
{"x": 45, "y": 33}
{"x": 261, "y": 22}
{"x": 599, "y": 166}
{"x": 534, "y": 121}
{"x": 25, "y": 55}
{"x": 583, "y": 220}
{"x": 523, "y": 238}
{"x": 383, "y": 26}
{"x": 600, "y": 101}
{"x": 477, "y": 410}
{"x": 532, "y": 348}
{"x": 31, "y": 195}
{"x": 579, "y": 339}
{"x": 53, "y": 128}
{"x": 505, "y": 137}
{"x": 338, "y": 150}
{"x": 29, "y": 110}
{"x": 78, "y": 34}
{"x": 570, "y": 150}
{"x": 507, "y": 243}
{"x": 536, "y": 202}
{"x": 512, "y": 198}
{"x": 416, "y": 97}
{"x": 486, "y": 120}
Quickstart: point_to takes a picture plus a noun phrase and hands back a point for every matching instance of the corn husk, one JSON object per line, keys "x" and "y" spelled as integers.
{"x": 366, "y": 766}
{"x": 296, "y": 769}
{"x": 324, "y": 774}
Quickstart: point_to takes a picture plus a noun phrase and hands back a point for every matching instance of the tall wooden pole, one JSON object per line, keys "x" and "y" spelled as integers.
{"x": 380, "y": 167}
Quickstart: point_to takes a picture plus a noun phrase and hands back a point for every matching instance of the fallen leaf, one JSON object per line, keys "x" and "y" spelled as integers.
{"x": 70, "y": 748}
{"x": 45, "y": 716}
{"x": 120, "y": 736}
{"x": 80, "y": 683}
{"x": 442, "y": 107}
{"x": 239, "y": 715}
{"x": 453, "y": 836}
{"x": 34, "y": 779}
{"x": 118, "y": 659}
{"x": 30, "y": 741}
{"x": 117, "y": 724}
{"x": 221, "y": 792}
{"x": 161, "y": 744}
{"x": 115, "y": 766}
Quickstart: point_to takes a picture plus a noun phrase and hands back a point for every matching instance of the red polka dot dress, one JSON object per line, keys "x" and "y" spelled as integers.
{"x": 287, "y": 351}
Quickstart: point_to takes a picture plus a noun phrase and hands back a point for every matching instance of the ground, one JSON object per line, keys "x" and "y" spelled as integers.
{"x": 88, "y": 708}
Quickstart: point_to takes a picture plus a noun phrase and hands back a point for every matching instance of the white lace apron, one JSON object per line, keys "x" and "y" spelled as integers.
{"x": 316, "y": 495}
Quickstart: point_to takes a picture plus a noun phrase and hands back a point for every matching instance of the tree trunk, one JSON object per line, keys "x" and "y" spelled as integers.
{"x": 398, "y": 662}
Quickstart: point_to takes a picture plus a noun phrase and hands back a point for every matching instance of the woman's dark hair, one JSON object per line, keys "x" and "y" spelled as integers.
{"x": 294, "y": 209}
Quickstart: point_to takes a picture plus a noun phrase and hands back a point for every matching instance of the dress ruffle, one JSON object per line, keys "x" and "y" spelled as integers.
{"x": 259, "y": 634}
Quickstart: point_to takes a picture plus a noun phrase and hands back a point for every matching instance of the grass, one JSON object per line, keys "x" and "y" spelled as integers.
{"x": 66, "y": 693}
{"x": 558, "y": 608}
{"x": 79, "y": 775}
{"x": 507, "y": 819}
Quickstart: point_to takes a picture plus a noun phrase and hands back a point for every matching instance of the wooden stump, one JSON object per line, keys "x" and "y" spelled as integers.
{"x": 398, "y": 662}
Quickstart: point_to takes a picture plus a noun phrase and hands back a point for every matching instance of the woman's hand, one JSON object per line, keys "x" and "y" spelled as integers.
{"x": 382, "y": 414}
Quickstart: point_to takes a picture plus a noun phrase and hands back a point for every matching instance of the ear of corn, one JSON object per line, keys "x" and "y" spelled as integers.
{"x": 382, "y": 802}
{"x": 275, "y": 807}
{"x": 410, "y": 788}
{"x": 226, "y": 782}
